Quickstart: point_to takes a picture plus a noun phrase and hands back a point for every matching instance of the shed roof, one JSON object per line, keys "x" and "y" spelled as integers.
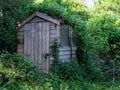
{"x": 40, "y": 15}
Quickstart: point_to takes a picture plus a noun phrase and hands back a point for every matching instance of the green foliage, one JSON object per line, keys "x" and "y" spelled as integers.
{"x": 100, "y": 41}
{"x": 74, "y": 71}
{"x": 15, "y": 69}
{"x": 55, "y": 52}
{"x": 8, "y": 23}
{"x": 67, "y": 70}
{"x": 17, "y": 73}
{"x": 96, "y": 33}
{"x": 108, "y": 6}
{"x": 102, "y": 30}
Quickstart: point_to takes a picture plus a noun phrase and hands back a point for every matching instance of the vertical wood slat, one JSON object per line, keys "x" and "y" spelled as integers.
{"x": 36, "y": 27}
{"x": 32, "y": 41}
{"x": 47, "y": 48}
{"x": 28, "y": 41}
{"x": 40, "y": 45}
{"x": 20, "y": 39}
{"x": 25, "y": 40}
{"x": 44, "y": 44}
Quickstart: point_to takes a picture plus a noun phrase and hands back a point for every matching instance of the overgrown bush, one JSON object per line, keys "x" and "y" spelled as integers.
{"x": 74, "y": 71}
{"x": 15, "y": 69}
{"x": 19, "y": 73}
{"x": 67, "y": 70}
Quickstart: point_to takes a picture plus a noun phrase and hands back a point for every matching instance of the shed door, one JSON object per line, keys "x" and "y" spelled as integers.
{"x": 36, "y": 44}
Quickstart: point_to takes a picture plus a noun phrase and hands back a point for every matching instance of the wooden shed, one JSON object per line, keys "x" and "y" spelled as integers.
{"x": 37, "y": 33}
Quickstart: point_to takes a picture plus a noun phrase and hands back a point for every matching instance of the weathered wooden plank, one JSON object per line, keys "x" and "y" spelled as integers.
{"x": 20, "y": 33}
{"x": 53, "y": 32}
{"x": 32, "y": 41}
{"x": 67, "y": 48}
{"x": 21, "y": 29}
{"x": 47, "y": 50}
{"x": 20, "y": 46}
{"x": 36, "y": 42}
{"x": 66, "y": 52}
{"x": 20, "y": 37}
{"x": 25, "y": 40}
{"x": 47, "y": 37}
{"x": 65, "y": 57}
{"x": 40, "y": 45}
{"x": 20, "y": 53}
{"x": 53, "y": 36}
{"x": 20, "y": 50}
{"x": 29, "y": 41}
{"x": 43, "y": 46}
{"x": 57, "y": 31}
{"x": 36, "y": 19}
{"x": 51, "y": 24}
{"x": 52, "y": 40}
{"x": 52, "y": 28}
{"x": 20, "y": 41}
{"x": 58, "y": 35}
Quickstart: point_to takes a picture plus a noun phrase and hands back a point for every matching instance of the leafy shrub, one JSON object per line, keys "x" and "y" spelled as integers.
{"x": 74, "y": 71}
{"x": 15, "y": 69}
{"x": 19, "y": 73}
{"x": 67, "y": 70}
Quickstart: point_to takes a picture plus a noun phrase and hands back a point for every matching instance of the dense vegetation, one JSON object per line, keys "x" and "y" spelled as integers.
{"x": 96, "y": 33}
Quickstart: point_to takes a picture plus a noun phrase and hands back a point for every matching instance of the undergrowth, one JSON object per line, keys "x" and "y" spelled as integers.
{"x": 19, "y": 73}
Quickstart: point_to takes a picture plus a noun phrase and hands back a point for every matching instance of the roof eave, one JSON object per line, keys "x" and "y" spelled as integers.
{"x": 40, "y": 15}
